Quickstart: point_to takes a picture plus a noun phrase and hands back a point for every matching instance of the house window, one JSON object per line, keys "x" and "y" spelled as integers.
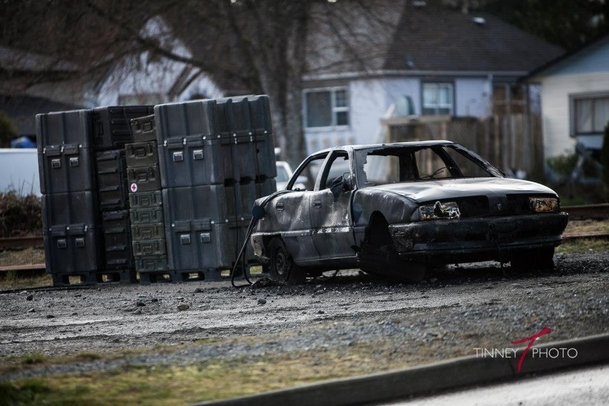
{"x": 326, "y": 108}
{"x": 591, "y": 115}
{"x": 437, "y": 98}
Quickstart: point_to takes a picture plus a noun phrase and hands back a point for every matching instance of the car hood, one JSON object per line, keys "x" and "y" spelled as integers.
{"x": 425, "y": 191}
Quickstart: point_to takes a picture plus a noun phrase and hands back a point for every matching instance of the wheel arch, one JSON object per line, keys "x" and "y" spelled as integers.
{"x": 377, "y": 230}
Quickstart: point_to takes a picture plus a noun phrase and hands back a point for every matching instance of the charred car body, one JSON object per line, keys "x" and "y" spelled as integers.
{"x": 396, "y": 209}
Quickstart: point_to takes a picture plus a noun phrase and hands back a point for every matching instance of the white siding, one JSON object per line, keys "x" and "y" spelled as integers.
{"x": 369, "y": 101}
{"x": 369, "y": 104}
{"x": 396, "y": 89}
{"x": 555, "y": 105}
{"x": 472, "y": 97}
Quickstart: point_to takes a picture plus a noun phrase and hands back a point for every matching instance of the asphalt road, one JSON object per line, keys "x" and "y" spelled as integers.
{"x": 589, "y": 386}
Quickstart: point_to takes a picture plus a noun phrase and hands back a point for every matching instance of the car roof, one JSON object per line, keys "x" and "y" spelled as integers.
{"x": 357, "y": 147}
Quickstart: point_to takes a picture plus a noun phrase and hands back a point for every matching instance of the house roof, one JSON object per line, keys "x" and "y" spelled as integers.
{"x": 435, "y": 39}
{"x": 566, "y": 57}
{"x": 22, "y": 110}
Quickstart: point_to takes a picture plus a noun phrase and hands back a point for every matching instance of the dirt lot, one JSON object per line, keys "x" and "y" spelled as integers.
{"x": 385, "y": 324}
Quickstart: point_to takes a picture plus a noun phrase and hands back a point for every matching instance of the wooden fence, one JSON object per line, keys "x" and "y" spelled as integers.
{"x": 510, "y": 142}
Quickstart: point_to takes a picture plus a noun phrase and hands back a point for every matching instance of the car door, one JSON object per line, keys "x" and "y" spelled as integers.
{"x": 330, "y": 210}
{"x": 291, "y": 211}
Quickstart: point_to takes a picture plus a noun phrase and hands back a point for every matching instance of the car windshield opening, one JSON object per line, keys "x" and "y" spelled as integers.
{"x": 420, "y": 163}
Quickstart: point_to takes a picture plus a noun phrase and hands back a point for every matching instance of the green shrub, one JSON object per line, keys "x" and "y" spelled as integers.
{"x": 563, "y": 165}
{"x": 19, "y": 215}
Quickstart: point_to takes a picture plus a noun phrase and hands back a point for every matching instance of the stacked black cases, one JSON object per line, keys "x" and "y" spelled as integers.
{"x": 111, "y": 129}
{"x": 146, "y": 204}
{"x": 84, "y": 184}
{"x": 112, "y": 125}
{"x": 216, "y": 158}
{"x": 68, "y": 185}
{"x": 113, "y": 199}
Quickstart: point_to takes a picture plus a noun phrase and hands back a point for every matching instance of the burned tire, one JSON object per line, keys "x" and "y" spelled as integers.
{"x": 281, "y": 266}
{"x": 540, "y": 259}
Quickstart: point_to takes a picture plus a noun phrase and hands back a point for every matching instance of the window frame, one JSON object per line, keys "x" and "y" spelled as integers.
{"x": 438, "y": 84}
{"x": 334, "y": 109}
{"x": 579, "y": 97}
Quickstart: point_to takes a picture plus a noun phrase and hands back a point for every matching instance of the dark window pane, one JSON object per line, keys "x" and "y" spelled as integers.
{"x": 341, "y": 98}
{"x": 319, "y": 109}
{"x": 342, "y": 118}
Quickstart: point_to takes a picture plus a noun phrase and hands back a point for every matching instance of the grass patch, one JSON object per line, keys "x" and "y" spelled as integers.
{"x": 27, "y": 392}
{"x": 583, "y": 245}
{"x": 13, "y": 364}
{"x": 33, "y": 358}
{"x": 587, "y": 226}
{"x": 14, "y": 282}
{"x": 213, "y": 379}
{"x": 28, "y": 256}
{"x": 19, "y": 215}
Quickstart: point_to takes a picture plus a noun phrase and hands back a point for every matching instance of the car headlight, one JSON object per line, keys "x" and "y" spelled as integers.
{"x": 439, "y": 210}
{"x": 544, "y": 204}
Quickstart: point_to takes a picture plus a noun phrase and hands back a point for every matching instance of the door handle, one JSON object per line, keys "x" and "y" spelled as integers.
{"x": 317, "y": 203}
{"x": 279, "y": 206}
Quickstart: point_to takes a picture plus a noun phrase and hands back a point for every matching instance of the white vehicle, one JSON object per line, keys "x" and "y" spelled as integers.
{"x": 19, "y": 171}
{"x": 284, "y": 173}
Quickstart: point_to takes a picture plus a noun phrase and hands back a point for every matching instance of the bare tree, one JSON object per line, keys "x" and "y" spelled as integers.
{"x": 254, "y": 46}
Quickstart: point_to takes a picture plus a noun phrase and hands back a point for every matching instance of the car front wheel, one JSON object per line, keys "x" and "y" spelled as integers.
{"x": 378, "y": 255}
{"x": 281, "y": 267}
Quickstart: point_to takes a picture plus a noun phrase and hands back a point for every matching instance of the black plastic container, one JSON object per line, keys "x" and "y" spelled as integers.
{"x": 212, "y": 141}
{"x": 143, "y": 128}
{"x": 116, "y": 232}
{"x": 197, "y": 202}
{"x": 64, "y": 128}
{"x": 112, "y": 180}
{"x": 111, "y": 126}
{"x": 199, "y": 245}
{"x": 70, "y": 208}
{"x": 141, "y": 154}
{"x": 72, "y": 248}
{"x": 66, "y": 168}
{"x": 143, "y": 179}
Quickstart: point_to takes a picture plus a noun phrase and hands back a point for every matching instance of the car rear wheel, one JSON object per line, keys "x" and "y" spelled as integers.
{"x": 281, "y": 267}
{"x": 533, "y": 260}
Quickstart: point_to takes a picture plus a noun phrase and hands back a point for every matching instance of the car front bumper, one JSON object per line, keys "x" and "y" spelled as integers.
{"x": 476, "y": 239}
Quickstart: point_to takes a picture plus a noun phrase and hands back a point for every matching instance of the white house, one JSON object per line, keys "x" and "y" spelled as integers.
{"x": 428, "y": 58}
{"x": 150, "y": 79}
{"x": 441, "y": 61}
{"x": 575, "y": 98}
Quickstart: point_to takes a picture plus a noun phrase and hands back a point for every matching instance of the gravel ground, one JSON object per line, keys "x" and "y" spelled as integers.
{"x": 455, "y": 311}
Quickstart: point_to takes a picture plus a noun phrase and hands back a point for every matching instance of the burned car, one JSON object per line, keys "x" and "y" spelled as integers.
{"x": 398, "y": 209}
